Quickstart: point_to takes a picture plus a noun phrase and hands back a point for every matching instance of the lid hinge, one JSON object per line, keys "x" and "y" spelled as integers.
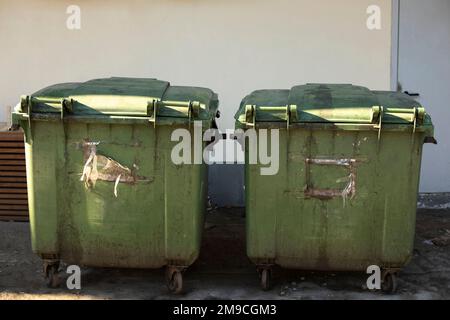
{"x": 26, "y": 107}
{"x": 419, "y": 116}
{"x": 66, "y": 107}
{"x": 250, "y": 115}
{"x": 152, "y": 107}
{"x": 377, "y": 114}
{"x": 291, "y": 115}
{"x": 193, "y": 111}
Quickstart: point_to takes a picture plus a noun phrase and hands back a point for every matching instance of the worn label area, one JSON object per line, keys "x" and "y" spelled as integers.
{"x": 100, "y": 167}
{"x": 330, "y": 178}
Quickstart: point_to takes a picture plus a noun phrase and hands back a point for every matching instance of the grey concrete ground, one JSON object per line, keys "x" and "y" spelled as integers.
{"x": 224, "y": 272}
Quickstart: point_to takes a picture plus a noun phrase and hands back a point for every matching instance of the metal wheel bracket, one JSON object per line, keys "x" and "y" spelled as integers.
{"x": 174, "y": 278}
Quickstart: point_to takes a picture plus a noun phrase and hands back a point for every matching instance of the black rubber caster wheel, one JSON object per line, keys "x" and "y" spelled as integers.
{"x": 266, "y": 279}
{"x": 175, "y": 282}
{"x": 53, "y": 278}
{"x": 389, "y": 283}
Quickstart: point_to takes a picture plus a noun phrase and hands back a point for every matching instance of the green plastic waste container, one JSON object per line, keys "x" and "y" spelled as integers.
{"x": 102, "y": 188}
{"x": 344, "y": 197}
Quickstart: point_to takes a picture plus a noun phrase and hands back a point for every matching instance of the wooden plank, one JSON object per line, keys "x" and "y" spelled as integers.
{"x": 12, "y": 150}
{"x": 13, "y": 212}
{"x": 12, "y": 173}
{"x": 13, "y": 179}
{"x": 13, "y": 156}
{"x": 12, "y": 162}
{"x": 13, "y": 196}
{"x": 13, "y": 207}
{"x": 12, "y": 185}
{"x": 16, "y": 138}
{"x": 14, "y": 201}
{"x": 13, "y": 168}
{"x": 14, "y": 218}
{"x": 11, "y": 136}
{"x": 12, "y": 133}
{"x": 11, "y": 144}
{"x": 13, "y": 191}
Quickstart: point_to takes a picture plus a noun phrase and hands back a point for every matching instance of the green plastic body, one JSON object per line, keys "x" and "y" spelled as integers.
{"x": 153, "y": 221}
{"x": 345, "y": 195}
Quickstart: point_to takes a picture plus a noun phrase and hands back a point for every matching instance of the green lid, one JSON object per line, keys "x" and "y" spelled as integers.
{"x": 329, "y": 103}
{"x": 123, "y": 97}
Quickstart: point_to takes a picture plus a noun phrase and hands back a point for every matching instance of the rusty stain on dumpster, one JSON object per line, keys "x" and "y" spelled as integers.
{"x": 326, "y": 194}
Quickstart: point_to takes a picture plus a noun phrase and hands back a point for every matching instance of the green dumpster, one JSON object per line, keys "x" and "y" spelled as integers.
{"x": 102, "y": 188}
{"x": 344, "y": 197}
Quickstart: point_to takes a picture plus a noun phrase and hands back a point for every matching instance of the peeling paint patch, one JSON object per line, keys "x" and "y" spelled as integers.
{"x": 348, "y": 192}
{"x": 100, "y": 167}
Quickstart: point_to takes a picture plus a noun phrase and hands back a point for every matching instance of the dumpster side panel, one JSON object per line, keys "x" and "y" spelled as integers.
{"x": 311, "y": 216}
{"x": 153, "y": 221}
{"x": 103, "y": 190}
{"x": 98, "y": 227}
{"x": 264, "y": 204}
{"x": 401, "y": 159}
{"x": 184, "y": 205}
{"x": 44, "y": 155}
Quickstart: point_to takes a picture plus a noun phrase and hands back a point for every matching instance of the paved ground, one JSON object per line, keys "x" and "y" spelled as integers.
{"x": 224, "y": 272}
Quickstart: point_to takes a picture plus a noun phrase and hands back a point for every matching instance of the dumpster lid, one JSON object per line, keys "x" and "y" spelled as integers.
{"x": 118, "y": 96}
{"x": 329, "y": 103}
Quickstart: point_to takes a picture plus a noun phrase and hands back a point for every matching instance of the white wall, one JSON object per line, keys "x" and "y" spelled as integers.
{"x": 424, "y": 67}
{"x": 231, "y": 46}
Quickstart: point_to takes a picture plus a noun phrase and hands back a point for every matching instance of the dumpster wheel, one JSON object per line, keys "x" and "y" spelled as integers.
{"x": 266, "y": 279}
{"x": 389, "y": 282}
{"x": 52, "y": 276}
{"x": 174, "y": 280}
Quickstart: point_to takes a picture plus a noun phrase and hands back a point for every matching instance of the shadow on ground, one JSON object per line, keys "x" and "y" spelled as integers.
{"x": 224, "y": 272}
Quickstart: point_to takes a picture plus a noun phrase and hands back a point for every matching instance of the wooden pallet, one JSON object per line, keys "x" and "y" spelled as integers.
{"x": 13, "y": 177}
